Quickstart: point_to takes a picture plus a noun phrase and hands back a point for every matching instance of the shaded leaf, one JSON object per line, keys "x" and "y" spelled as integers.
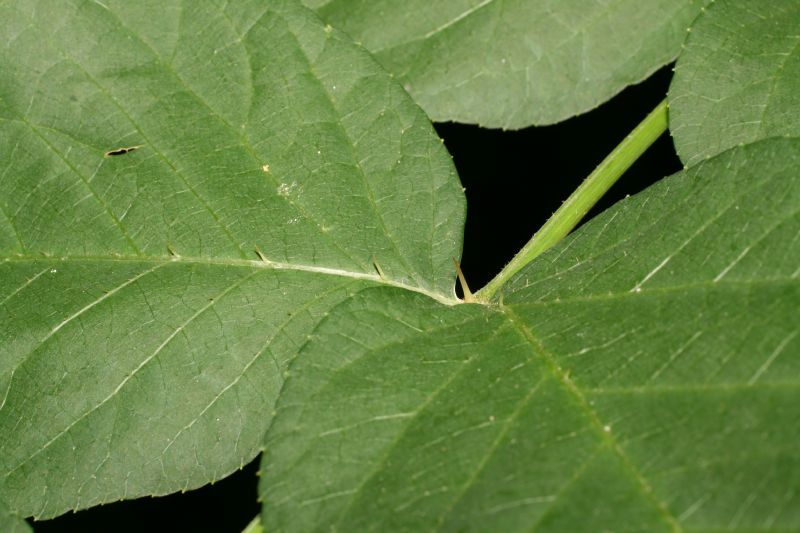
{"x": 514, "y": 63}
{"x": 738, "y": 80}
{"x": 147, "y": 162}
{"x": 641, "y": 376}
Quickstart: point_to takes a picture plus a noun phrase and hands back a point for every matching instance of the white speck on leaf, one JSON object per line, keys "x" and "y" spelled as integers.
{"x": 285, "y": 189}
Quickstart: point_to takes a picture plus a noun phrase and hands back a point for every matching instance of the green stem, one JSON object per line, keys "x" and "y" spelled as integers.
{"x": 254, "y": 526}
{"x": 585, "y": 196}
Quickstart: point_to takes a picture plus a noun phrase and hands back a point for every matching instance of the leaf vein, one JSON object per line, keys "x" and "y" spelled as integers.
{"x": 602, "y": 435}
{"x": 135, "y": 371}
{"x": 281, "y": 327}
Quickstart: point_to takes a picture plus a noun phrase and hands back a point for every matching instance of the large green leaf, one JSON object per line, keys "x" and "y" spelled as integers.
{"x": 738, "y": 80}
{"x": 642, "y": 376}
{"x": 142, "y": 339}
{"x": 513, "y": 63}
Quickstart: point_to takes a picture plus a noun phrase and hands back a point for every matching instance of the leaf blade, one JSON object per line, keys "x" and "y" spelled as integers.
{"x": 739, "y": 72}
{"x": 514, "y": 64}
{"x": 11, "y": 522}
{"x": 575, "y": 390}
{"x": 152, "y": 299}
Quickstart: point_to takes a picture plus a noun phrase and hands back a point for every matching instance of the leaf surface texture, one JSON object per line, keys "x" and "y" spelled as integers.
{"x": 514, "y": 63}
{"x": 738, "y": 79}
{"x": 640, "y": 376}
{"x": 183, "y": 198}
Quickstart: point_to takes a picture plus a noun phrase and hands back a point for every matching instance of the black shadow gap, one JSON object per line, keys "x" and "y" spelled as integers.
{"x": 515, "y": 180}
{"x": 227, "y": 506}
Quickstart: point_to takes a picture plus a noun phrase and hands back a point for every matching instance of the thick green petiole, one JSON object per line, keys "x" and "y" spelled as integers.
{"x": 585, "y": 196}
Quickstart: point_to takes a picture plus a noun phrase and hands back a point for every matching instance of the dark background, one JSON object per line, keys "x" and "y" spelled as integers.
{"x": 514, "y": 181}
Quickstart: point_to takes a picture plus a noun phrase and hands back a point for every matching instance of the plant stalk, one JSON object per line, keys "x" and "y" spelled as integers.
{"x": 585, "y": 197}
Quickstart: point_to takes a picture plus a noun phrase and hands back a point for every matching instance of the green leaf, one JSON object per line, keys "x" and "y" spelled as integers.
{"x": 642, "y": 375}
{"x": 738, "y": 80}
{"x": 514, "y": 63}
{"x": 11, "y": 523}
{"x": 143, "y": 338}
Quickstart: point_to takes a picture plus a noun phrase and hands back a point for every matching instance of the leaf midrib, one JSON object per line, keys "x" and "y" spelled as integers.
{"x": 439, "y": 297}
{"x": 237, "y": 263}
{"x": 245, "y": 143}
{"x": 605, "y": 437}
{"x": 605, "y": 440}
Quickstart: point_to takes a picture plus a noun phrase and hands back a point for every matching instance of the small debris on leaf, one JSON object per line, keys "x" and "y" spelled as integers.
{"x": 122, "y": 151}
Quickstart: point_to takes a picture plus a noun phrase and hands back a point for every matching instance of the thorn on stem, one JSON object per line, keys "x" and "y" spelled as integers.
{"x": 378, "y": 268}
{"x": 468, "y": 296}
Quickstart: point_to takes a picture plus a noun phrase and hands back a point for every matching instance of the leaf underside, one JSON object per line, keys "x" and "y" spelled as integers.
{"x": 177, "y": 214}
{"x": 514, "y": 63}
{"x": 642, "y": 375}
{"x": 10, "y": 523}
{"x": 738, "y": 79}
{"x": 197, "y": 205}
